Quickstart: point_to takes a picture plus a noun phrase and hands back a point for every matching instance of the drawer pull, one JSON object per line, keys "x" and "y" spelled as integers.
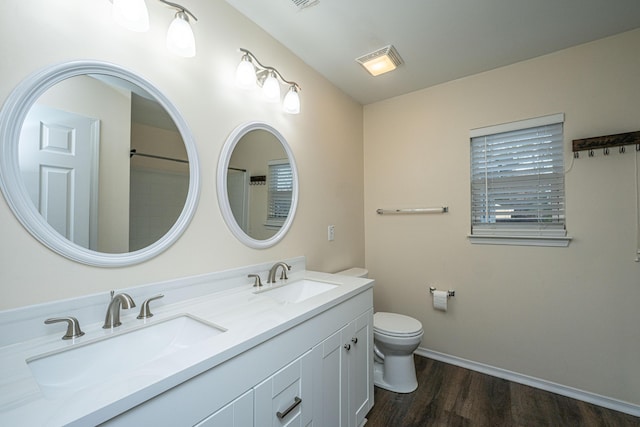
{"x": 296, "y": 402}
{"x": 347, "y": 347}
{"x": 354, "y": 340}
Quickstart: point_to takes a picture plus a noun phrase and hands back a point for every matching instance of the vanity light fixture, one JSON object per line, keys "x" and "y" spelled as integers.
{"x": 251, "y": 74}
{"x": 133, "y": 15}
{"x": 381, "y": 61}
{"x": 180, "y": 39}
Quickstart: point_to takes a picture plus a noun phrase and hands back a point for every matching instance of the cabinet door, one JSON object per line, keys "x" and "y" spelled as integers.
{"x": 343, "y": 382}
{"x": 359, "y": 336}
{"x": 330, "y": 389}
{"x": 238, "y": 413}
{"x": 284, "y": 399}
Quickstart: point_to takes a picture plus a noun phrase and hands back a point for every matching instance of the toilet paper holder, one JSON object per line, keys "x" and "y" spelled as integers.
{"x": 450, "y": 293}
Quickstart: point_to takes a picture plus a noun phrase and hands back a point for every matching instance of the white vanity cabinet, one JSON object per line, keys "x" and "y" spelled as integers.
{"x": 343, "y": 376}
{"x": 238, "y": 413}
{"x": 285, "y": 398}
{"x": 325, "y": 360}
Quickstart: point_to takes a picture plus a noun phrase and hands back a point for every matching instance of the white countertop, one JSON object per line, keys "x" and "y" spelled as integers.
{"x": 249, "y": 319}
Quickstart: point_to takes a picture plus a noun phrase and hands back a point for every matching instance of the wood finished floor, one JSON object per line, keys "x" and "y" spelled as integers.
{"x": 451, "y": 396}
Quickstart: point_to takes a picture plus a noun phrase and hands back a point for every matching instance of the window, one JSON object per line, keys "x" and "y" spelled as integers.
{"x": 280, "y": 192}
{"x": 517, "y": 183}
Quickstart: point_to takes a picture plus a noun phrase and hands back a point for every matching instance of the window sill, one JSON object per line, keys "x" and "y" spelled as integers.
{"x": 555, "y": 241}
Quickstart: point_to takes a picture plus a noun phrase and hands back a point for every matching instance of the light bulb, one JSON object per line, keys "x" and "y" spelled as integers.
{"x": 180, "y": 39}
{"x": 271, "y": 88}
{"x": 291, "y": 103}
{"x": 246, "y": 74}
{"x": 131, "y": 14}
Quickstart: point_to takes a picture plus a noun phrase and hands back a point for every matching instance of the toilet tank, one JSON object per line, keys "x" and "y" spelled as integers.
{"x": 355, "y": 271}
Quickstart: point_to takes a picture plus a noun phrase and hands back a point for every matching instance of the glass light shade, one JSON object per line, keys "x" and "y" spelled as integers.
{"x": 271, "y": 88}
{"x": 180, "y": 39}
{"x": 246, "y": 75}
{"x": 131, "y": 14}
{"x": 291, "y": 103}
{"x": 380, "y": 65}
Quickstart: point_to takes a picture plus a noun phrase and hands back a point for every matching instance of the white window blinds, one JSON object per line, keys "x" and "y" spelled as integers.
{"x": 517, "y": 179}
{"x": 280, "y": 191}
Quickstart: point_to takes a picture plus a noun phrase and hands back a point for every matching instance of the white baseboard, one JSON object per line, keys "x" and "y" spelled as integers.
{"x": 596, "y": 399}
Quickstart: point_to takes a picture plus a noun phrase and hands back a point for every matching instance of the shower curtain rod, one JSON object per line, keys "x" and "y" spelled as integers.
{"x": 134, "y": 152}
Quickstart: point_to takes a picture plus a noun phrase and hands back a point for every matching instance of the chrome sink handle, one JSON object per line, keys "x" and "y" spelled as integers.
{"x": 257, "y": 282}
{"x": 145, "y": 312}
{"x": 73, "y": 326}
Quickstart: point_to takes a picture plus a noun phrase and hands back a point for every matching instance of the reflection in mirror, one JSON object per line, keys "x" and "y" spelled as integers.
{"x": 75, "y": 160}
{"x": 261, "y": 207}
{"x": 257, "y": 184}
{"x": 97, "y": 164}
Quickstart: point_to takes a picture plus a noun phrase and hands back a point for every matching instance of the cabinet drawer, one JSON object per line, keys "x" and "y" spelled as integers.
{"x": 284, "y": 399}
{"x": 238, "y": 413}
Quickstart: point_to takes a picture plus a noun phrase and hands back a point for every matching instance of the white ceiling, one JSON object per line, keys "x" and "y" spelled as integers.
{"x": 439, "y": 40}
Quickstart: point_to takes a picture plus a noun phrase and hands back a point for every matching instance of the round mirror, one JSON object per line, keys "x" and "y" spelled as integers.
{"x": 97, "y": 164}
{"x": 257, "y": 184}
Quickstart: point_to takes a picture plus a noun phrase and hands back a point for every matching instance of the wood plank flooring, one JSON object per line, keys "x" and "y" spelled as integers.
{"x": 451, "y": 396}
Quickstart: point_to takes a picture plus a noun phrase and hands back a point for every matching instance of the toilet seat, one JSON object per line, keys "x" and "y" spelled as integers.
{"x": 396, "y": 325}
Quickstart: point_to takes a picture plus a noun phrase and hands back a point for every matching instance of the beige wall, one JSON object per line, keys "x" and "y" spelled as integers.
{"x": 327, "y": 133}
{"x": 566, "y": 315}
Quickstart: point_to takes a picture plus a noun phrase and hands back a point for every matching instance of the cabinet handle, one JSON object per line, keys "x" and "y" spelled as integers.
{"x": 347, "y": 347}
{"x": 354, "y": 340}
{"x": 295, "y": 403}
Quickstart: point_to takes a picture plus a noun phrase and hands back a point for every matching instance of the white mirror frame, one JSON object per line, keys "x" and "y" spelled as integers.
{"x": 223, "y": 199}
{"x": 12, "y": 116}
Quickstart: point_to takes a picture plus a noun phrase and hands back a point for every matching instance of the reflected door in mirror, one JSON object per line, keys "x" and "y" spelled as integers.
{"x": 58, "y": 150}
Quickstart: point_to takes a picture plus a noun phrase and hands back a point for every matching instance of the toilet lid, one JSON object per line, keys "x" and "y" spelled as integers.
{"x": 396, "y": 324}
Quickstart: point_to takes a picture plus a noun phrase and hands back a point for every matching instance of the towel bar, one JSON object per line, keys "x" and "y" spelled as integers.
{"x": 443, "y": 209}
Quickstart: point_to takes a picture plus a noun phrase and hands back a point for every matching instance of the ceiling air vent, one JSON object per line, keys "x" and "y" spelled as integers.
{"x": 303, "y": 4}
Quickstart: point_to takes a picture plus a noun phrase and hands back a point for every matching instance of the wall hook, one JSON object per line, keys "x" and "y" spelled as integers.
{"x": 622, "y": 150}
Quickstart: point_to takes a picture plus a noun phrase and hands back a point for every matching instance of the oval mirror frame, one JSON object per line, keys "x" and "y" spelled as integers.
{"x": 12, "y": 116}
{"x": 223, "y": 164}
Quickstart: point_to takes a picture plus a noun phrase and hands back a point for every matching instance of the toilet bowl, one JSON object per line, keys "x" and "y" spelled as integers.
{"x": 395, "y": 338}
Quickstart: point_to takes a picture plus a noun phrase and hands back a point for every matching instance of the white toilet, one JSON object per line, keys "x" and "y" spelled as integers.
{"x": 395, "y": 338}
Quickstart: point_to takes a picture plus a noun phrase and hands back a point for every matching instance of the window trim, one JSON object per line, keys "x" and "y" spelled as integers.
{"x": 519, "y": 236}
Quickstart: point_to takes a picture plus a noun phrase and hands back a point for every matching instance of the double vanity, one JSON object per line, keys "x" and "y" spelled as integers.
{"x": 216, "y": 351}
{"x": 220, "y": 349}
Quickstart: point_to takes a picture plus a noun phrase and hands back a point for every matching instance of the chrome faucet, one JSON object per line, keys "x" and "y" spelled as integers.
{"x": 112, "y": 319}
{"x": 274, "y": 270}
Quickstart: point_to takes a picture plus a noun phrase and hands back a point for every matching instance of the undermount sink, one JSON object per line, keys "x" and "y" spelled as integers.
{"x": 125, "y": 354}
{"x": 297, "y": 291}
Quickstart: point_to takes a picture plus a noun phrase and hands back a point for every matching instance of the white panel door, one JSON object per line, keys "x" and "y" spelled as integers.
{"x": 59, "y": 165}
